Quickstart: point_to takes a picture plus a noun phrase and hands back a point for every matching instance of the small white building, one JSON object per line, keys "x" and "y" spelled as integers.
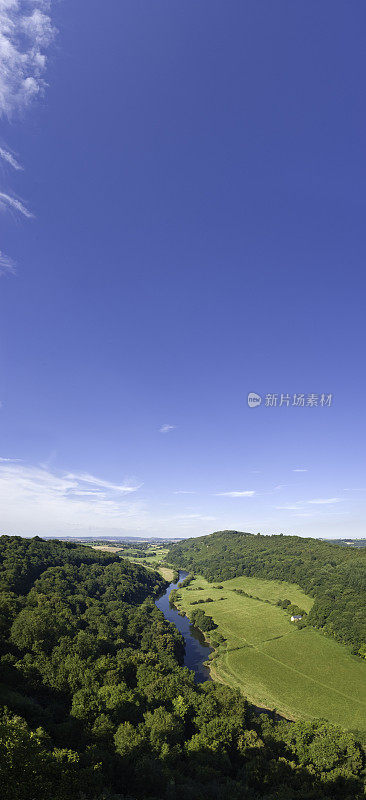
{"x": 296, "y": 617}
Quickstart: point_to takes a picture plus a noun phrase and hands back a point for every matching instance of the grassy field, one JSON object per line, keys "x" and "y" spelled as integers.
{"x": 166, "y": 572}
{"x": 302, "y": 673}
{"x": 152, "y": 558}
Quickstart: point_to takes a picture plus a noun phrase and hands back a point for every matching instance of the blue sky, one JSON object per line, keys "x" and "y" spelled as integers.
{"x": 187, "y": 227}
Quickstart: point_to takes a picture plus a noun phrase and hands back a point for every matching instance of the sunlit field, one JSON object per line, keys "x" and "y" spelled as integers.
{"x": 300, "y": 672}
{"x": 152, "y": 558}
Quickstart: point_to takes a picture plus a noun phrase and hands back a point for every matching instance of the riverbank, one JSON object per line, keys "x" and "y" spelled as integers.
{"x": 300, "y": 673}
{"x": 197, "y": 651}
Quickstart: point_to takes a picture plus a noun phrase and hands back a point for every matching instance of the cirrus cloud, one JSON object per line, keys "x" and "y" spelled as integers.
{"x": 246, "y": 493}
{"x": 34, "y": 498}
{"x": 7, "y": 200}
{"x": 167, "y": 428}
{"x": 7, "y": 265}
{"x": 93, "y": 481}
{"x": 8, "y": 157}
{"x": 25, "y": 33}
{"x": 325, "y": 501}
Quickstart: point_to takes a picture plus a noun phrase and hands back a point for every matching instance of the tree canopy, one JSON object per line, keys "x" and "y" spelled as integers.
{"x": 333, "y": 575}
{"x": 96, "y": 705}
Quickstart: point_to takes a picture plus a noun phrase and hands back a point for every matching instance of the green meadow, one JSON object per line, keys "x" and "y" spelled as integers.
{"x": 153, "y": 558}
{"x": 300, "y": 672}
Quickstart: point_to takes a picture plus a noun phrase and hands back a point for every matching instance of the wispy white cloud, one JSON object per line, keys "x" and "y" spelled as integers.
{"x": 325, "y": 501}
{"x": 196, "y": 516}
{"x": 8, "y": 157}
{"x": 167, "y": 428}
{"x": 91, "y": 479}
{"x": 85, "y": 493}
{"x": 32, "y": 498}
{"x": 300, "y": 470}
{"x": 287, "y": 508}
{"x": 25, "y": 33}
{"x": 299, "y": 505}
{"x": 7, "y": 265}
{"x": 183, "y": 491}
{"x": 12, "y": 460}
{"x": 7, "y": 200}
{"x": 247, "y": 493}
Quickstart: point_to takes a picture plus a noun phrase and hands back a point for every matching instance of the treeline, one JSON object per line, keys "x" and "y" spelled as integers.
{"x": 96, "y": 705}
{"x": 293, "y": 609}
{"x": 334, "y": 576}
{"x": 202, "y": 621}
{"x": 184, "y": 583}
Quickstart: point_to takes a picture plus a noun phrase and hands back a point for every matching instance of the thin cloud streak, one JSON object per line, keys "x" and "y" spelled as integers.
{"x": 91, "y": 479}
{"x": 167, "y": 428}
{"x": 195, "y": 516}
{"x": 325, "y": 502}
{"x": 17, "y": 205}
{"x": 287, "y": 508}
{"x": 7, "y": 265}
{"x": 235, "y": 494}
{"x": 9, "y": 159}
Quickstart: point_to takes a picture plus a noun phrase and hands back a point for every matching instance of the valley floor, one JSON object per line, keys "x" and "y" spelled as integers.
{"x": 152, "y": 559}
{"x": 301, "y": 673}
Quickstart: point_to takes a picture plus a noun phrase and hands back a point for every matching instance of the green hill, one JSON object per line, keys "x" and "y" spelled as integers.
{"x": 334, "y": 576}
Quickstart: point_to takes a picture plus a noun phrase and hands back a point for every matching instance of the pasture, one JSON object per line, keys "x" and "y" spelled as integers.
{"x": 301, "y": 673}
{"x": 153, "y": 556}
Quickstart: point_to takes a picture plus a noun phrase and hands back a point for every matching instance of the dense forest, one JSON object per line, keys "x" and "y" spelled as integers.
{"x": 96, "y": 705}
{"x": 334, "y": 576}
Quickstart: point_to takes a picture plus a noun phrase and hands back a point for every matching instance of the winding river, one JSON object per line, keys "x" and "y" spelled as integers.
{"x": 197, "y": 651}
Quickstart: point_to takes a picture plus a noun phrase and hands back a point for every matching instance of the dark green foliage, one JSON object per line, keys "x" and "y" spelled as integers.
{"x": 100, "y": 708}
{"x": 202, "y": 620}
{"x": 186, "y": 581}
{"x": 334, "y": 576}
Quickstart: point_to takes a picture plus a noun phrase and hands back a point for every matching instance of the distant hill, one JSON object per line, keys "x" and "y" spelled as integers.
{"x": 333, "y": 575}
{"x": 347, "y": 542}
{"x": 112, "y": 539}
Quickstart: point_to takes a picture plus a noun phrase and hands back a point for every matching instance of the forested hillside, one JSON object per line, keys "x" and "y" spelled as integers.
{"x": 334, "y": 576}
{"x": 96, "y": 705}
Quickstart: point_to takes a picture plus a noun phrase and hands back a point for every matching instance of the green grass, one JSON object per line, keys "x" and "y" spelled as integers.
{"x": 155, "y": 554}
{"x": 153, "y": 558}
{"x": 302, "y": 673}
